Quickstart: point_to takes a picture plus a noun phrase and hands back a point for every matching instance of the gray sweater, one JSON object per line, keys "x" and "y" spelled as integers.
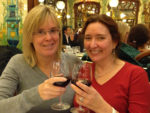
{"x": 20, "y": 78}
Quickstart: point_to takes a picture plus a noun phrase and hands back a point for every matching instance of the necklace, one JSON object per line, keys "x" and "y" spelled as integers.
{"x": 108, "y": 71}
{"x": 99, "y": 75}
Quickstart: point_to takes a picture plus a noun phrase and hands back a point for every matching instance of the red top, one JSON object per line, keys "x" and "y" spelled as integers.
{"x": 128, "y": 91}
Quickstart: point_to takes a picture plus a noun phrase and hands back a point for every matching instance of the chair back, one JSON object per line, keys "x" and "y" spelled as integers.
{"x": 6, "y": 52}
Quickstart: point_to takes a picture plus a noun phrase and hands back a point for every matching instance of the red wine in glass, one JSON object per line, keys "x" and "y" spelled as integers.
{"x": 62, "y": 84}
{"x": 57, "y": 68}
{"x": 83, "y": 81}
{"x": 83, "y": 74}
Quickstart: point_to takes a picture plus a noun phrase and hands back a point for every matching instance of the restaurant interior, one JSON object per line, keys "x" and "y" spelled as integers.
{"x": 72, "y": 13}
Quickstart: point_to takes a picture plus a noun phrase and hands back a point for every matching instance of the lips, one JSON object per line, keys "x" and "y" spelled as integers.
{"x": 95, "y": 51}
{"x": 48, "y": 46}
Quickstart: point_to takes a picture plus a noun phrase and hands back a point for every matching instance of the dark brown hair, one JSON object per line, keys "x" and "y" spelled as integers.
{"x": 109, "y": 23}
{"x": 138, "y": 36}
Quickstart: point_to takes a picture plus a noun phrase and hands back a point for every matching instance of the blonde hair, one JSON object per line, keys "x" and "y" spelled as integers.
{"x": 35, "y": 18}
{"x": 123, "y": 28}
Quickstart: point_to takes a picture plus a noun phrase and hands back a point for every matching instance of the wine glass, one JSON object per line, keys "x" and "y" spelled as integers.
{"x": 57, "y": 68}
{"x": 81, "y": 73}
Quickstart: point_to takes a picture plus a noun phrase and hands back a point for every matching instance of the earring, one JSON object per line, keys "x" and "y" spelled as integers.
{"x": 113, "y": 51}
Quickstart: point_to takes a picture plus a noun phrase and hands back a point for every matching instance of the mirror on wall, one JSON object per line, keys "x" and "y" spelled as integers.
{"x": 126, "y": 11}
{"x": 82, "y": 10}
{"x": 61, "y": 9}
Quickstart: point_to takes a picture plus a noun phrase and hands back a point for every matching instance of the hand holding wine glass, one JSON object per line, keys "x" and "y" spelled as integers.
{"x": 48, "y": 91}
{"x": 59, "y": 69}
{"x": 81, "y": 73}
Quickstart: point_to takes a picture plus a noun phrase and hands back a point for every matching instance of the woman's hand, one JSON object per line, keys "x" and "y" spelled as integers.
{"x": 90, "y": 98}
{"x": 48, "y": 91}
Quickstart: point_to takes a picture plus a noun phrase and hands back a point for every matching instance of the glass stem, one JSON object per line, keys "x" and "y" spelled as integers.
{"x": 60, "y": 100}
{"x": 80, "y": 108}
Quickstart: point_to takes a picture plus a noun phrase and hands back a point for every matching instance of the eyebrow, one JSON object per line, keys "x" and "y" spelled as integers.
{"x": 49, "y": 28}
{"x": 96, "y": 34}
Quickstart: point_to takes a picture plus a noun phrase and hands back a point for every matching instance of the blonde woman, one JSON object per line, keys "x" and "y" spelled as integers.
{"x": 27, "y": 74}
{"x": 124, "y": 29}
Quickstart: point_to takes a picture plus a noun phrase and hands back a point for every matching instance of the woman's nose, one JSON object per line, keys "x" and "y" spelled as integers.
{"x": 48, "y": 36}
{"x": 93, "y": 43}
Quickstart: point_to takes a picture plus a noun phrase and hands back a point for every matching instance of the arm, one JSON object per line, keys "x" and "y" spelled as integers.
{"x": 31, "y": 93}
{"x": 92, "y": 99}
{"x": 139, "y": 93}
{"x": 20, "y": 103}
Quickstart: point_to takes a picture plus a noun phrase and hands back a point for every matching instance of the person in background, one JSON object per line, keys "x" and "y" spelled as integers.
{"x": 80, "y": 39}
{"x": 139, "y": 37}
{"x": 117, "y": 86}
{"x": 126, "y": 52}
{"x": 73, "y": 39}
{"x": 25, "y": 83}
{"x": 124, "y": 29}
{"x": 66, "y": 35}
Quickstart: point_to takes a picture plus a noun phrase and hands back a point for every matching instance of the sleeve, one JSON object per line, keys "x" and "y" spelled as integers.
{"x": 139, "y": 96}
{"x": 21, "y": 103}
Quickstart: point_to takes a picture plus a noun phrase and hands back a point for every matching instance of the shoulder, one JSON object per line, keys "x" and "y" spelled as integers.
{"x": 17, "y": 61}
{"x": 16, "y": 65}
{"x": 17, "y": 58}
{"x": 134, "y": 72}
{"x": 132, "y": 67}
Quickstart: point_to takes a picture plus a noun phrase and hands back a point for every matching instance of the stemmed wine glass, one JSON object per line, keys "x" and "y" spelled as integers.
{"x": 81, "y": 73}
{"x": 57, "y": 68}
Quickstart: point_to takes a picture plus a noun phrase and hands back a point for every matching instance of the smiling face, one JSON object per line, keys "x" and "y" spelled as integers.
{"x": 46, "y": 39}
{"x": 98, "y": 42}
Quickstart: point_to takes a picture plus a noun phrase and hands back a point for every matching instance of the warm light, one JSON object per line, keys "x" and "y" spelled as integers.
{"x": 122, "y": 15}
{"x": 113, "y": 3}
{"x": 59, "y": 16}
{"x": 93, "y": 9}
{"x": 41, "y": 1}
{"x": 108, "y": 13}
{"x": 25, "y": 7}
{"x": 60, "y": 5}
{"x": 68, "y": 16}
{"x": 124, "y": 20}
{"x": 91, "y": 12}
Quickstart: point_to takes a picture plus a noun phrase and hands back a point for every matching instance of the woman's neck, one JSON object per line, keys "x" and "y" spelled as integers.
{"x": 106, "y": 65}
{"x": 45, "y": 64}
{"x": 106, "y": 62}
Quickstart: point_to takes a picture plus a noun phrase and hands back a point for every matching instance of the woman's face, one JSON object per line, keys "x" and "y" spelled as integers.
{"x": 98, "y": 42}
{"x": 46, "y": 39}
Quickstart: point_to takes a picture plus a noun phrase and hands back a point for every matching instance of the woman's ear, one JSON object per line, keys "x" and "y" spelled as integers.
{"x": 115, "y": 43}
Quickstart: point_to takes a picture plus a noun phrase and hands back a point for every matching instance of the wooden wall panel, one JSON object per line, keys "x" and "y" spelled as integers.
{"x": 32, "y": 3}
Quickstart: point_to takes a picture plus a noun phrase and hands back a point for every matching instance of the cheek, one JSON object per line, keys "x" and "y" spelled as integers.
{"x": 86, "y": 44}
{"x": 56, "y": 39}
{"x": 36, "y": 43}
